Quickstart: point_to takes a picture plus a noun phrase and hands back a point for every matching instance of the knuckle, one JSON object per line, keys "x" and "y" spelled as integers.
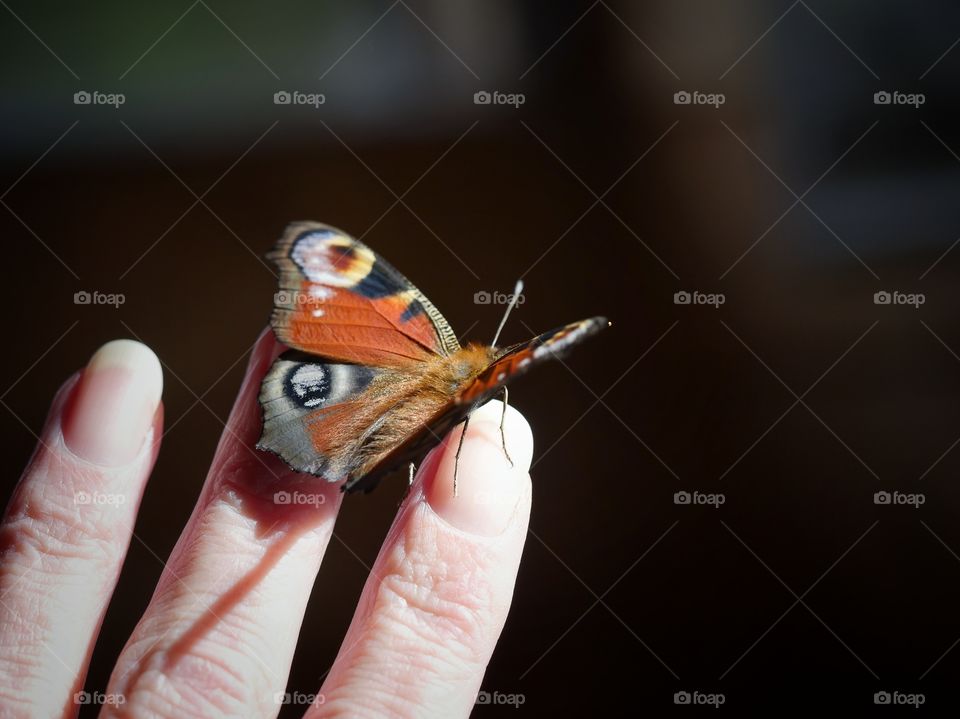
{"x": 373, "y": 704}
{"x": 438, "y": 600}
{"x": 52, "y": 516}
{"x": 429, "y": 612}
{"x": 208, "y": 681}
{"x": 52, "y": 529}
{"x": 14, "y": 701}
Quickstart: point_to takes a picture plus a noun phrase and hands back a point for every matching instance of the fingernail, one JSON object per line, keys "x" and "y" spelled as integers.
{"x": 489, "y": 488}
{"x": 113, "y": 405}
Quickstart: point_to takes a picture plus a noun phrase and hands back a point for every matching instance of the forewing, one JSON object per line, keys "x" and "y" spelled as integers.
{"x": 340, "y": 300}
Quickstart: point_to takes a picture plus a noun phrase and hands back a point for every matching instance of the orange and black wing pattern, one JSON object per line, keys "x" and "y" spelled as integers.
{"x": 339, "y": 300}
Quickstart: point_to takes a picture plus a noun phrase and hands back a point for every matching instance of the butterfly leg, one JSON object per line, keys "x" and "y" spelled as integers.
{"x": 456, "y": 460}
{"x": 413, "y": 469}
{"x": 503, "y": 436}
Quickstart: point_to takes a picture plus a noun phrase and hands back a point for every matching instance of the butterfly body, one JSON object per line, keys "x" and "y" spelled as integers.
{"x": 393, "y": 405}
{"x": 376, "y": 376}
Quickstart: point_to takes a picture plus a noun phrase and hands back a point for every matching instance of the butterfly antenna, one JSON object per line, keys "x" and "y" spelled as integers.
{"x": 514, "y": 299}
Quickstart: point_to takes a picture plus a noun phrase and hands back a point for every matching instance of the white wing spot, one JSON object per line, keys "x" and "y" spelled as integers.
{"x": 321, "y": 293}
{"x": 310, "y": 253}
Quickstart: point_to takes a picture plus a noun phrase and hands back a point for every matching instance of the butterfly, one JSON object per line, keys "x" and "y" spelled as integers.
{"x": 374, "y": 376}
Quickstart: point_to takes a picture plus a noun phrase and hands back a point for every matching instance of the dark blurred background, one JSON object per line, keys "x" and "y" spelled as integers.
{"x": 796, "y": 200}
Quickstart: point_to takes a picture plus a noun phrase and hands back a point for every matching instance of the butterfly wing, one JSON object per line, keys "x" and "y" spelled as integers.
{"x": 510, "y": 363}
{"x": 304, "y": 400}
{"x": 339, "y": 421}
{"x": 340, "y": 300}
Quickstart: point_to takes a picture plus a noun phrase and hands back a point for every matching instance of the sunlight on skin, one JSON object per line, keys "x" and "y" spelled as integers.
{"x": 219, "y": 634}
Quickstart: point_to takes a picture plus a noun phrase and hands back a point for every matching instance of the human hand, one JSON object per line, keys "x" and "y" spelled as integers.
{"x": 218, "y": 636}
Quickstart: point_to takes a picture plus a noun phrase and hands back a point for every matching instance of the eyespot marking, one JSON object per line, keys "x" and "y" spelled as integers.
{"x": 308, "y": 385}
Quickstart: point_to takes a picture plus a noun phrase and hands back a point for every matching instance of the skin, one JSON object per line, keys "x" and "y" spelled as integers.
{"x": 218, "y": 637}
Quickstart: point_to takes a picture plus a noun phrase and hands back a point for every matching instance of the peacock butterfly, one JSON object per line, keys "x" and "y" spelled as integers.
{"x": 375, "y": 376}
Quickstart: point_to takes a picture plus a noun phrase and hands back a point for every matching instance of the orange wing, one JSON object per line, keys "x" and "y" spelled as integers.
{"x": 340, "y": 300}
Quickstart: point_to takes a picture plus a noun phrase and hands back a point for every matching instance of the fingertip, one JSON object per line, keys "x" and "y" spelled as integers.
{"x": 114, "y": 403}
{"x": 491, "y": 483}
{"x": 516, "y": 430}
{"x": 135, "y": 357}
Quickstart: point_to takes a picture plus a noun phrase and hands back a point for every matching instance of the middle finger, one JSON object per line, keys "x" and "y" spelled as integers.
{"x": 220, "y": 631}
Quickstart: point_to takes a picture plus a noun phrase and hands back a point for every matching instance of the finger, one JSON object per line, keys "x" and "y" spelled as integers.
{"x": 218, "y": 636}
{"x": 438, "y": 594}
{"x": 68, "y": 525}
